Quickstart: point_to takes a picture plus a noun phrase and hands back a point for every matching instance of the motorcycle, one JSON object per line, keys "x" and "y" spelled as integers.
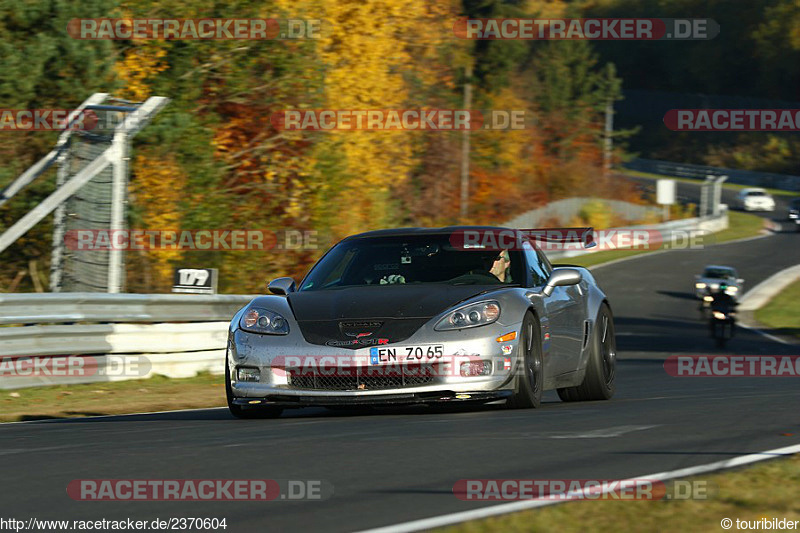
{"x": 722, "y": 325}
{"x": 705, "y": 305}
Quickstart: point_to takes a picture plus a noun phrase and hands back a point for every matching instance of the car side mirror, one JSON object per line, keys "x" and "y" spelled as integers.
{"x": 561, "y": 277}
{"x": 739, "y": 280}
{"x": 281, "y": 286}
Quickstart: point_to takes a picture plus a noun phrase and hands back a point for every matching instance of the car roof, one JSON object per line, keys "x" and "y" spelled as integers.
{"x": 719, "y": 266}
{"x": 754, "y": 189}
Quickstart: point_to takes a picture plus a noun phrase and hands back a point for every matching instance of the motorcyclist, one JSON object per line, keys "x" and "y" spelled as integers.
{"x": 722, "y": 303}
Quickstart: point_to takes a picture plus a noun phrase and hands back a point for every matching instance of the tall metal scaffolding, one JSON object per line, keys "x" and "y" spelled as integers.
{"x": 91, "y": 191}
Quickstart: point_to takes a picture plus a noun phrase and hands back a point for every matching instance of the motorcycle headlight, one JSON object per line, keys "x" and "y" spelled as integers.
{"x": 719, "y": 315}
{"x": 470, "y": 316}
{"x": 258, "y": 320}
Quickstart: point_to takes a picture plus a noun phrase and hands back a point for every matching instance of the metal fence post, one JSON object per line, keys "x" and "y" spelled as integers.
{"x": 718, "y": 193}
{"x": 118, "y": 188}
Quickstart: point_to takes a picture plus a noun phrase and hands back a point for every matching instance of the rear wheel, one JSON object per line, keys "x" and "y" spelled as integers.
{"x": 598, "y": 382}
{"x": 530, "y": 376}
{"x": 240, "y": 412}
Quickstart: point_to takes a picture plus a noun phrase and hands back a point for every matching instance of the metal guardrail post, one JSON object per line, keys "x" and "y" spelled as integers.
{"x": 705, "y": 188}
{"x": 718, "y": 193}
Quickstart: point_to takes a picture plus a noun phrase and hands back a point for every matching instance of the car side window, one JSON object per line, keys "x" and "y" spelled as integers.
{"x": 539, "y": 270}
{"x": 547, "y": 268}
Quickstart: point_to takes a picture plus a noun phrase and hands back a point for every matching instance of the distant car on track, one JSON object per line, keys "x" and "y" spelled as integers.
{"x": 713, "y": 275}
{"x": 755, "y": 199}
{"x": 411, "y": 316}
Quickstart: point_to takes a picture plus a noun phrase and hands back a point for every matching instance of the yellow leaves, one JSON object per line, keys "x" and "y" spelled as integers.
{"x": 140, "y": 64}
{"x": 158, "y": 188}
{"x": 369, "y": 50}
{"x": 546, "y": 9}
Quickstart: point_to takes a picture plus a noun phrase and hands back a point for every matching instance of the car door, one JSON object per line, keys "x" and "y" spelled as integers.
{"x": 564, "y": 318}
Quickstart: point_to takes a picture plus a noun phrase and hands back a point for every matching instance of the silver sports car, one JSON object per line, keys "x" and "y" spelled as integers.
{"x": 420, "y": 315}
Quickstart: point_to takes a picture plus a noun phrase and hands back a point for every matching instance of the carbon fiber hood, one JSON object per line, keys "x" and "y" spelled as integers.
{"x": 355, "y": 317}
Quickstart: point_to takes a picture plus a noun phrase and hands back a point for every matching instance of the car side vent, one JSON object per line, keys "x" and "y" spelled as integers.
{"x": 586, "y": 329}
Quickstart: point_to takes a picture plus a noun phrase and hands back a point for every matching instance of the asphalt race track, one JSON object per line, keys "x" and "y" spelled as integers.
{"x": 395, "y": 466}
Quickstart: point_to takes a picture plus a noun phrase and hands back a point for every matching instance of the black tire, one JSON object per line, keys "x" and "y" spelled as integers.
{"x": 530, "y": 374}
{"x": 240, "y": 412}
{"x": 599, "y": 380}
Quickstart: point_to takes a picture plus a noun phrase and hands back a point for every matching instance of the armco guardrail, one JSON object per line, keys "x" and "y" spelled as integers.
{"x": 741, "y": 177}
{"x": 710, "y": 224}
{"x": 41, "y": 308}
{"x": 123, "y": 336}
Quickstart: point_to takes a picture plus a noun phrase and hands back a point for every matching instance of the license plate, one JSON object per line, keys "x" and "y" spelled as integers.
{"x": 403, "y": 354}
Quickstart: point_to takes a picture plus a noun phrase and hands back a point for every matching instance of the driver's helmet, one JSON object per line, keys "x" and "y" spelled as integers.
{"x": 723, "y": 287}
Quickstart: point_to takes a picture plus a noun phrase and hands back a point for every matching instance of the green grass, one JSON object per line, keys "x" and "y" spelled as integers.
{"x": 782, "y": 313}
{"x": 740, "y": 226}
{"x": 767, "y": 490}
{"x": 725, "y": 185}
{"x": 158, "y": 393}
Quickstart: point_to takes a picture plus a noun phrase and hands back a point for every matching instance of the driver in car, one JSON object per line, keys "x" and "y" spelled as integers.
{"x": 501, "y": 268}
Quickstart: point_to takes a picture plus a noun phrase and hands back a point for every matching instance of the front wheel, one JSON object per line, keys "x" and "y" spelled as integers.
{"x": 530, "y": 370}
{"x": 599, "y": 380}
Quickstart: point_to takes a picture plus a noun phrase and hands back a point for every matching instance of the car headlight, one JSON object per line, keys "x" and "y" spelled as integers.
{"x": 719, "y": 315}
{"x": 700, "y": 285}
{"x": 470, "y": 316}
{"x": 258, "y": 320}
{"x": 732, "y": 290}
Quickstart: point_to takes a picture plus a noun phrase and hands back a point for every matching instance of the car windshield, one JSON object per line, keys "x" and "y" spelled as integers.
{"x": 415, "y": 259}
{"x": 718, "y": 273}
{"x": 756, "y": 193}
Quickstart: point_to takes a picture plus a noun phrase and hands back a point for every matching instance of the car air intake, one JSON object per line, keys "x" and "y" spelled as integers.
{"x": 587, "y": 328}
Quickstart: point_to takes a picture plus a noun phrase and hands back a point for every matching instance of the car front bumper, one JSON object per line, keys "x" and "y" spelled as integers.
{"x": 376, "y": 400}
{"x": 751, "y": 206}
{"x": 275, "y": 385}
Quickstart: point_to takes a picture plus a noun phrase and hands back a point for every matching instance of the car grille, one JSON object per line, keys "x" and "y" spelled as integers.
{"x": 409, "y": 377}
